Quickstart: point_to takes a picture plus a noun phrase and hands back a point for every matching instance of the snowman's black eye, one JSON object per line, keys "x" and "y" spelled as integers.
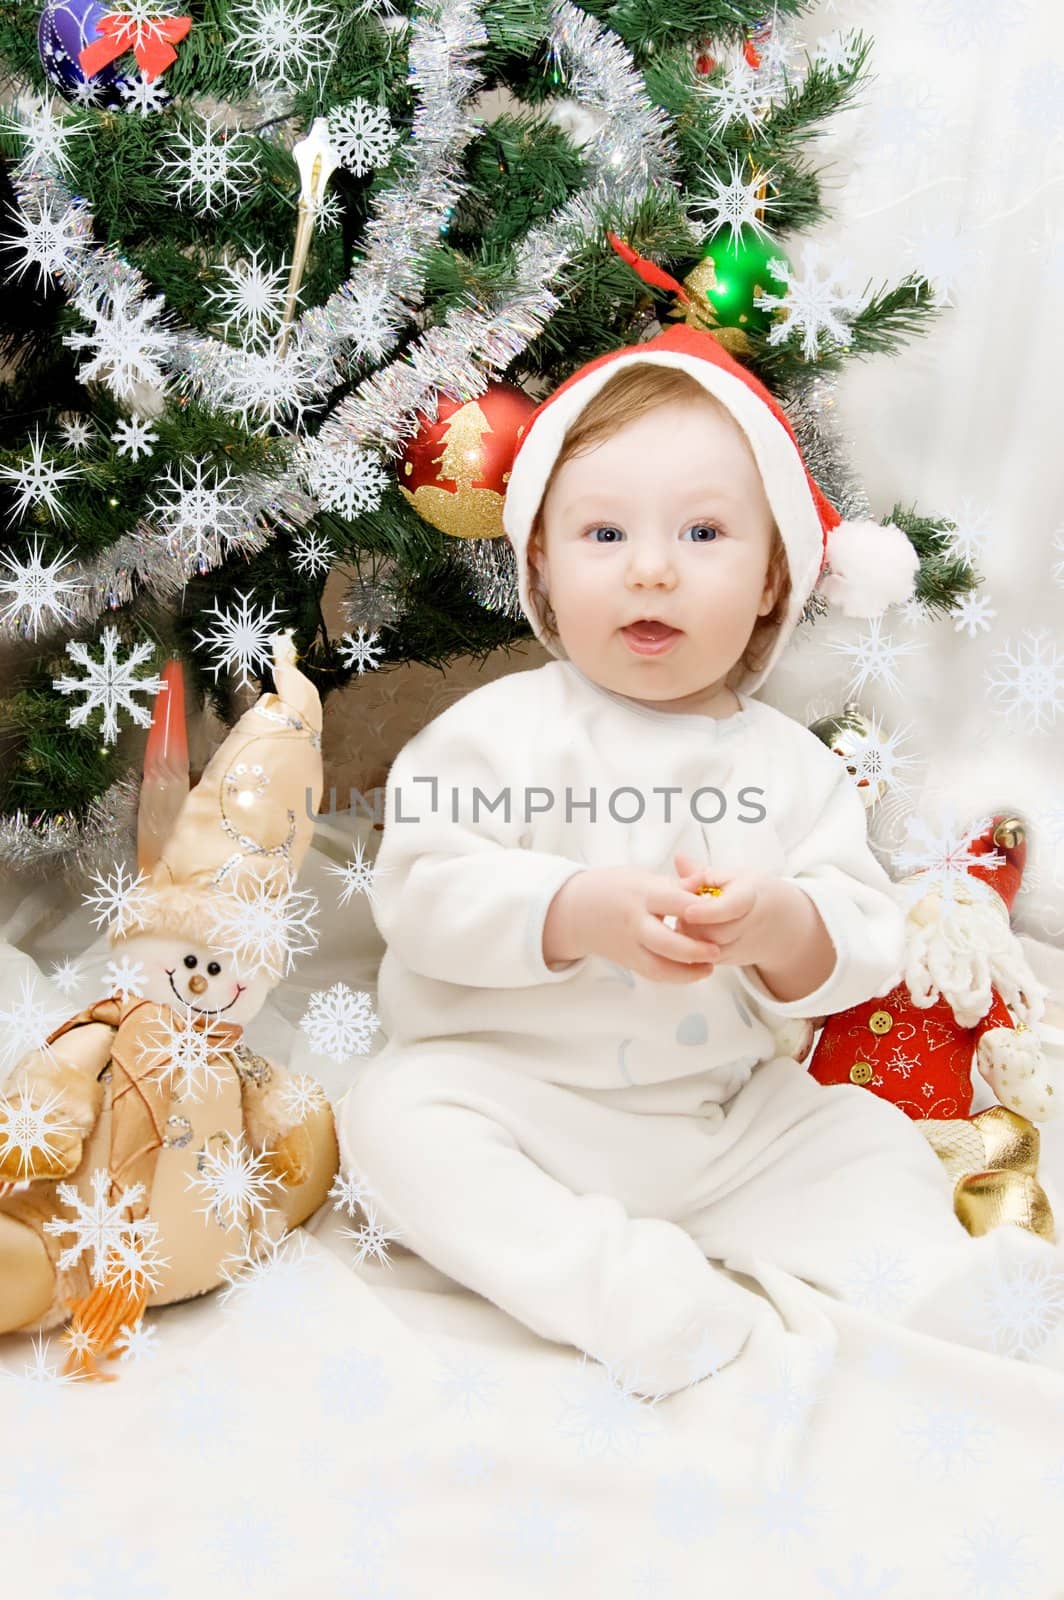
{"x": 214, "y": 967}
{"x": 190, "y": 961}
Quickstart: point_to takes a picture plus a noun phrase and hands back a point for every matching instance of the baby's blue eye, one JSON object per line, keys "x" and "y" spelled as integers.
{"x": 608, "y": 528}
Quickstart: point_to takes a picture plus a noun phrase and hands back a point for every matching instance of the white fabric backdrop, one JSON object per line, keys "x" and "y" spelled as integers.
{"x": 953, "y": 164}
{"x": 376, "y": 1432}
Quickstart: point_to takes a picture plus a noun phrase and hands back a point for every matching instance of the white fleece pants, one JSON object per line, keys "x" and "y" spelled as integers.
{"x": 626, "y": 1233}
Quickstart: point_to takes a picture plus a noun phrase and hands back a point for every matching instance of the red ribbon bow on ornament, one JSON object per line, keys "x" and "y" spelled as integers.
{"x": 151, "y": 42}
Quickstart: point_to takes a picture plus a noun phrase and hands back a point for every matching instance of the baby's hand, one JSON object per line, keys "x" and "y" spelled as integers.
{"x": 619, "y": 912}
{"x": 747, "y": 921}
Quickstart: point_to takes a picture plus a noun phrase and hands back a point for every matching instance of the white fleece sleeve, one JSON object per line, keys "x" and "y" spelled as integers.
{"x": 456, "y": 895}
{"x": 832, "y": 862}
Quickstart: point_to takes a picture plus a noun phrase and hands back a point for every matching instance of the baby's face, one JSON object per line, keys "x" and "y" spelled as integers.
{"x": 667, "y": 519}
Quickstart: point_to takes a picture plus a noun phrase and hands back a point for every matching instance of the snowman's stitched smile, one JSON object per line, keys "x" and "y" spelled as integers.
{"x": 203, "y": 1011}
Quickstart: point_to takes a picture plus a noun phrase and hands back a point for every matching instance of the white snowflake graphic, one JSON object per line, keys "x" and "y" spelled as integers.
{"x": 26, "y": 1024}
{"x": 357, "y": 875}
{"x": 252, "y": 297}
{"x": 837, "y": 52}
{"x": 137, "y": 1343}
{"x": 973, "y": 613}
{"x": 125, "y": 977}
{"x": 877, "y": 1280}
{"x": 281, "y": 40}
{"x": 67, "y": 975}
{"x": 121, "y": 902}
{"x": 798, "y": 1386}
{"x": 37, "y": 590}
{"x": 262, "y": 387}
{"x": 371, "y": 1239}
{"x": 738, "y": 97}
{"x": 241, "y": 638}
{"x": 37, "y": 482}
{"x": 948, "y": 1436}
{"x": 858, "y": 1583}
{"x": 301, "y": 1096}
{"x": 994, "y": 1567}
{"x": 45, "y": 136}
{"x": 907, "y": 118}
{"x": 368, "y": 319}
{"x": 311, "y": 554}
{"x": 1058, "y": 544}
{"x": 200, "y": 510}
{"x": 603, "y": 1416}
{"x": 466, "y": 1382}
{"x": 350, "y": 1194}
{"x": 264, "y": 931}
{"x": 1029, "y": 685}
{"x": 193, "y": 1064}
{"x": 339, "y": 1022}
{"x": 733, "y": 202}
{"x": 943, "y": 257}
{"x": 1022, "y": 1305}
{"x": 98, "y": 1225}
{"x": 144, "y": 96}
{"x": 941, "y": 856}
{"x": 236, "y": 1182}
{"x": 77, "y": 432}
{"x": 51, "y": 238}
{"x": 875, "y": 656}
{"x": 30, "y": 1127}
{"x": 109, "y": 685}
{"x": 964, "y": 23}
{"x": 970, "y": 531}
{"x": 362, "y": 135}
{"x": 210, "y": 168}
{"x": 265, "y": 1281}
{"x": 133, "y": 437}
{"x": 129, "y": 347}
{"x": 881, "y": 760}
{"x": 329, "y": 212}
{"x": 361, "y": 651}
{"x": 813, "y": 303}
{"x": 343, "y": 477}
{"x": 134, "y": 1262}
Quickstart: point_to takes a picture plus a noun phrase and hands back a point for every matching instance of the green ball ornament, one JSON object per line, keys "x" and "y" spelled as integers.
{"x": 723, "y": 285}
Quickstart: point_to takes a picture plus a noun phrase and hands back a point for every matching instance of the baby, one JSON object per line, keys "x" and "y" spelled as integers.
{"x": 606, "y": 884}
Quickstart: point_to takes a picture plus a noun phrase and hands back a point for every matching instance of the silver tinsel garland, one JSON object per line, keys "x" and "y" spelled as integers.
{"x": 104, "y": 836}
{"x": 457, "y": 356}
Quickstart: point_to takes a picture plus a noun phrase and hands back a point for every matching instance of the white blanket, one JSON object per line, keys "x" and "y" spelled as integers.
{"x": 367, "y": 1429}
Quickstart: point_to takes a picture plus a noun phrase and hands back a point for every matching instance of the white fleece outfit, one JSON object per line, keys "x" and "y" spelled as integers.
{"x": 602, "y": 1155}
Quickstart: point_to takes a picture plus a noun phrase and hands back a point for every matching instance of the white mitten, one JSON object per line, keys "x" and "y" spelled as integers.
{"x": 1012, "y": 1063}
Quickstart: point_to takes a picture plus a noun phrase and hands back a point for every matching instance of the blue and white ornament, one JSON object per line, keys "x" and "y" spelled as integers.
{"x": 65, "y": 28}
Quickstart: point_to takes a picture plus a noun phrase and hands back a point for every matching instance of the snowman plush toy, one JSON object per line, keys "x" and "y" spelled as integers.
{"x": 146, "y": 1153}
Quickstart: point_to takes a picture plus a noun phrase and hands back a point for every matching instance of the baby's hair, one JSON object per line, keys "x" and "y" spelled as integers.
{"x": 628, "y": 395}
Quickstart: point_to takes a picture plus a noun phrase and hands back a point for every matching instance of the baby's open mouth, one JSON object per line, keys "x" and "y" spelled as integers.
{"x": 650, "y": 630}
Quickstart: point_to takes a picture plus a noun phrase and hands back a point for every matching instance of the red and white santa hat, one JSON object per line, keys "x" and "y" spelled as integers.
{"x": 860, "y": 567}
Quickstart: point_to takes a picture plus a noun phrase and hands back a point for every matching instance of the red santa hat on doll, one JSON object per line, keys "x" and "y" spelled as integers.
{"x": 860, "y": 567}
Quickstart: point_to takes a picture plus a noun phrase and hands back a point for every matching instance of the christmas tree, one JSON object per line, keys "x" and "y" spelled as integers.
{"x": 279, "y": 291}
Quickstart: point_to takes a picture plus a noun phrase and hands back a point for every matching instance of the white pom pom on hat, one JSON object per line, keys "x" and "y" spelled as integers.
{"x": 859, "y": 567}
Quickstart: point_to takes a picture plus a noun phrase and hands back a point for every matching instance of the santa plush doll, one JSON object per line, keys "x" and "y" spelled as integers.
{"x": 966, "y": 991}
